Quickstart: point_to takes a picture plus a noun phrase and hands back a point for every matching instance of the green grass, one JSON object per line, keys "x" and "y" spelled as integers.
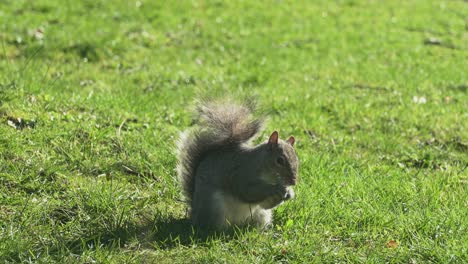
{"x": 94, "y": 93}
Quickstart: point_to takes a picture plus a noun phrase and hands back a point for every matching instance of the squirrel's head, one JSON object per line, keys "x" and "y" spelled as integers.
{"x": 282, "y": 159}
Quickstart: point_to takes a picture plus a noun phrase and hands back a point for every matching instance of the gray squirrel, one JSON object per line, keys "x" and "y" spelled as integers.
{"x": 226, "y": 181}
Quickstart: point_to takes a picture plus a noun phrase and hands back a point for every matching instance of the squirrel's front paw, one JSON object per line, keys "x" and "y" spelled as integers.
{"x": 277, "y": 198}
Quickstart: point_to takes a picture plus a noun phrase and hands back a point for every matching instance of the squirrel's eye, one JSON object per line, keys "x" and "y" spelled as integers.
{"x": 280, "y": 160}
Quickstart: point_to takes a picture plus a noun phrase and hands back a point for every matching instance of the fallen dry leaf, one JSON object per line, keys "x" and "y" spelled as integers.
{"x": 391, "y": 244}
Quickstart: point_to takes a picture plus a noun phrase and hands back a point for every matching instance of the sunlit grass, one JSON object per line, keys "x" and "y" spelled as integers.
{"x": 94, "y": 93}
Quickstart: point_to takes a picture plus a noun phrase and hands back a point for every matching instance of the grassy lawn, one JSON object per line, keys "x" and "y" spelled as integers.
{"x": 93, "y": 95}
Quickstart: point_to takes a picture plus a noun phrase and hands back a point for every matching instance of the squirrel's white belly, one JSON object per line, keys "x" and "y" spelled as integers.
{"x": 234, "y": 211}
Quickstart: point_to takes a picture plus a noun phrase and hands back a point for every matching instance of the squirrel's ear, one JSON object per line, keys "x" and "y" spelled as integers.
{"x": 273, "y": 138}
{"x": 291, "y": 141}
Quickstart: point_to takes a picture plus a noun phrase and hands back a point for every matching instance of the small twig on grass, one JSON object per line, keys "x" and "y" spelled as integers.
{"x": 120, "y": 127}
{"x": 369, "y": 87}
{"x": 297, "y": 42}
{"x": 437, "y": 42}
{"x": 130, "y": 170}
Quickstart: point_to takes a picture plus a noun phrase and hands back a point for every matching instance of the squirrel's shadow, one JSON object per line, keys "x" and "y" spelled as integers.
{"x": 152, "y": 234}
{"x": 174, "y": 232}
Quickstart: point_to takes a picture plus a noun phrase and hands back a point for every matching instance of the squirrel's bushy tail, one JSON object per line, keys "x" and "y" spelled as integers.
{"x": 218, "y": 124}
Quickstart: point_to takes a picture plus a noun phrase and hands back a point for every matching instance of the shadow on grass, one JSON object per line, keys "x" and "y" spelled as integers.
{"x": 159, "y": 234}
{"x": 176, "y": 232}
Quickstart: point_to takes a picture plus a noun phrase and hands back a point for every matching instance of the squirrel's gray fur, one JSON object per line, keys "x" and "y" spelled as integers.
{"x": 225, "y": 180}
